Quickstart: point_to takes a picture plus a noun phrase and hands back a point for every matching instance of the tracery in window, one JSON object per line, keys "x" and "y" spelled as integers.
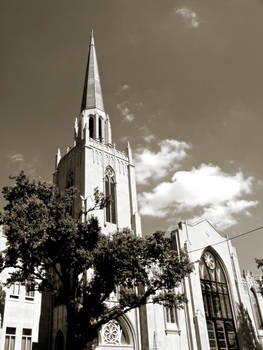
{"x": 216, "y": 298}
{"x": 112, "y": 333}
{"x": 110, "y": 193}
{"x": 256, "y": 309}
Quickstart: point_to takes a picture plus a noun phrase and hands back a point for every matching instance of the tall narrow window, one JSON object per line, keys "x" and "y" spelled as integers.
{"x": 30, "y": 293}
{"x": 100, "y": 129}
{"x": 256, "y": 309}
{"x": 70, "y": 179}
{"x": 10, "y": 338}
{"x": 171, "y": 315}
{"x": 91, "y": 127}
{"x": 26, "y": 339}
{"x": 217, "y": 305}
{"x": 15, "y": 290}
{"x": 59, "y": 342}
{"x": 110, "y": 193}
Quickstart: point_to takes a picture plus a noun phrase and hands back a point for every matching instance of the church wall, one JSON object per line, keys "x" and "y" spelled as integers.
{"x": 163, "y": 335}
{"x": 191, "y": 332}
{"x": 96, "y": 161}
{"x": 72, "y": 162}
{"x": 20, "y": 312}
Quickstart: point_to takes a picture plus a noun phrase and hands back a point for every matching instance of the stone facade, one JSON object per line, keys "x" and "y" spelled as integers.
{"x": 19, "y": 325}
{"x": 221, "y": 312}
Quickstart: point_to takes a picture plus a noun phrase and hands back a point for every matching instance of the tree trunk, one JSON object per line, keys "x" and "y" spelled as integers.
{"x": 79, "y": 338}
{"x": 74, "y": 340}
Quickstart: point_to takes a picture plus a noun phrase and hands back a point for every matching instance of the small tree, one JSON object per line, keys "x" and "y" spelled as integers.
{"x": 81, "y": 266}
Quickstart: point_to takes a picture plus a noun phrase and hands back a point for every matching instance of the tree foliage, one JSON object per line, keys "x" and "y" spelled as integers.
{"x": 83, "y": 268}
{"x": 259, "y": 263}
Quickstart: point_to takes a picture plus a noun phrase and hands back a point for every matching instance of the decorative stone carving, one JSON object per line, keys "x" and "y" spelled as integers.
{"x": 111, "y": 333}
{"x": 210, "y": 261}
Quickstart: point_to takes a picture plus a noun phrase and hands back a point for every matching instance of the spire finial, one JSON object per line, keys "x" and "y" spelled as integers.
{"x": 92, "y": 93}
{"x": 92, "y": 38}
{"x": 58, "y": 157}
{"x": 129, "y": 151}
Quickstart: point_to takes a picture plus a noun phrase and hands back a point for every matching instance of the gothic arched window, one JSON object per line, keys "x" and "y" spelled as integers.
{"x": 217, "y": 305}
{"x": 70, "y": 179}
{"x": 59, "y": 341}
{"x": 256, "y": 309}
{"x": 110, "y": 193}
{"x": 91, "y": 127}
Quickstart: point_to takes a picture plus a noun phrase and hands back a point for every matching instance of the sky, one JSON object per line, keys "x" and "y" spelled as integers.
{"x": 182, "y": 81}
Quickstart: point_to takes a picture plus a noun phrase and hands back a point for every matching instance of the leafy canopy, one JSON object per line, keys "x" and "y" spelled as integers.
{"x": 82, "y": 267}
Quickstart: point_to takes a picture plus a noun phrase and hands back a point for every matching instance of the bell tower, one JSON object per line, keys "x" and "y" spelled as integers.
{"x": 93, "y": 161}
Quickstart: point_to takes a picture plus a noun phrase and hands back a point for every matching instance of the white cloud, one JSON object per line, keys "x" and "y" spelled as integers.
{"x": 18, "y": 157}
{"x": 17, "y": 163}
{"x": 218, "y": 195}
{"x": 146, "y": 135}
{"x": 125, "y": 111}
{"x": 122, "y": 89}
{"x": 189, "y": 17}
{"x": 124, "y": 139}
{"x": 223, "y": 215}
{"x": 149, "y": 138}
{"x": 150, "y": 165}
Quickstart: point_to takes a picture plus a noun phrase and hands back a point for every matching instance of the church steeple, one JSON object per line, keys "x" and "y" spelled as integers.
{"x": 92, "y": 93}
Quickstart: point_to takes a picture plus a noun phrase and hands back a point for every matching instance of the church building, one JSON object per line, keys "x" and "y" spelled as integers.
{"x": 221, "y": 300}
{"x": 225, "y": 307}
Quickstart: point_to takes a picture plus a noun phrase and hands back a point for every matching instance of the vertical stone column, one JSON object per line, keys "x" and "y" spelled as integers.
{"x": 96, "y": 131}
{"x": 103, "y": 130}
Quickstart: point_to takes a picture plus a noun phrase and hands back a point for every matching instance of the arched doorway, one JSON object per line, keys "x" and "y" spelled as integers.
{"x": 59, "y": 342}
{"x": 217, "y": 305}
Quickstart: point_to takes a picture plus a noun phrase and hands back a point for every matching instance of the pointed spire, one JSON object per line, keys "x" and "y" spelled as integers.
{"x": 92, "y": 93}
{"x": 58, "y": 157}
{"x": 76, "y": 127}
{"x": 129, "y": 151}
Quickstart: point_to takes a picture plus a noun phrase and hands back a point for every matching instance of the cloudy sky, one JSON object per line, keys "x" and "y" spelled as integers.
{"x": 182, "y": 81}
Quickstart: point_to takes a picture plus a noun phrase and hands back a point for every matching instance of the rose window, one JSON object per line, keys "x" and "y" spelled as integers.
{"x": 111, "y": 333}
{"x": 210, "y": 261}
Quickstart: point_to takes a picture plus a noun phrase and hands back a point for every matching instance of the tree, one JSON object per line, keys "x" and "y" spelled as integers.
{"x": 246, "y": 334}
{"x": 82, "y": 267}
{"x": 2, "y": 304}
{"x": 260, "y": 280}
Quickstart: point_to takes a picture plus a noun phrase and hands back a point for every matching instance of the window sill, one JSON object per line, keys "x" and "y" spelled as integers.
{"x": 173, "y": 331}
{"x": 172, "y": 328}
{"x": 31, "y": 301}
